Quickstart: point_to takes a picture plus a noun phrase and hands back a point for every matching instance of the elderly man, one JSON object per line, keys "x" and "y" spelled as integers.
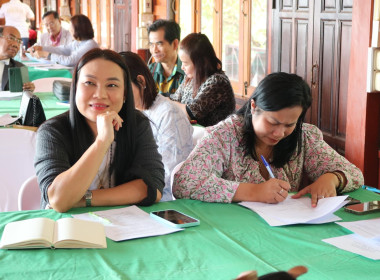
{"x": 164, "y": 38}
{"x": 55, "y": 35}
{"x": 10, "y": 42}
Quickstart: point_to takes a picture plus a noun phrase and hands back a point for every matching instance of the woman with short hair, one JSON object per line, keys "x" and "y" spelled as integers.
{"x": 205, "y": 95}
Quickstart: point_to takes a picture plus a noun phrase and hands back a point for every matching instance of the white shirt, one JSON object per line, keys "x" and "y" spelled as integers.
{"x": 70, "y": 54}
{"x": 173, "y": 134}
{"x": 16, "y": 14}
{"x": 46, "y": 41}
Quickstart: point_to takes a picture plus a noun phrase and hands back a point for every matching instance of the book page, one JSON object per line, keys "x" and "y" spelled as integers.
{"x": 75, "y": 233}
{"x": 31, "y": 233}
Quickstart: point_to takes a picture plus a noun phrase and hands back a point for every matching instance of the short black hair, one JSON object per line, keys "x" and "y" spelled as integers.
{"x": 171, "y": 28}
{"x": 48, "y": 13}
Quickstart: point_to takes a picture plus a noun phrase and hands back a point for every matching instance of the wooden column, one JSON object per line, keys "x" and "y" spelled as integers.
{"x": 363, "y": 117}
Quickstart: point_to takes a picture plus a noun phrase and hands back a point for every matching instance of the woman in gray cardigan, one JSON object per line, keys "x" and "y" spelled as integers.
{"x": 102, "y": 152}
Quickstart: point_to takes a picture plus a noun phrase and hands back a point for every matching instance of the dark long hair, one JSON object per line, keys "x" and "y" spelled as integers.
{"x": 82, "y": 27}
{"x": 137, "y": 67}
{"x": 199, "y": 48}
{"x": 275, "y": 92}
{"x": 82, "y": 134}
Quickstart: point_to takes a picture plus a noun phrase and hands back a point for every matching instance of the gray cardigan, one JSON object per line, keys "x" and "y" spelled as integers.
{"x": 54, "y": 155}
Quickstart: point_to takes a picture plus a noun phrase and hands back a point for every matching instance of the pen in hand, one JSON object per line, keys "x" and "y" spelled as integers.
{"x": 267, "y": 166}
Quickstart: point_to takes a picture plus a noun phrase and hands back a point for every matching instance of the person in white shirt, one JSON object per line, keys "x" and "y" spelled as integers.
{"x": 171, "y": 128}
{"x": 56, "y": 35}
{"x": 16, "y": 14}
{"x": 83, "y": 34}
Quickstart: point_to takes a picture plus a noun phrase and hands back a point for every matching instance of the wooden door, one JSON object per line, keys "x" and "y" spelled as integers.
{"x": 122, "y": 25}
{"x": 312, "y": 38}
{"x": 331, "y": 55}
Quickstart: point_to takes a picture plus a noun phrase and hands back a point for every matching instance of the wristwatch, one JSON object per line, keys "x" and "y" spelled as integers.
{"x": 88, "y": 197}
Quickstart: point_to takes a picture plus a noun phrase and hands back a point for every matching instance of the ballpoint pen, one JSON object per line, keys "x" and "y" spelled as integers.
{"x": 372, "y": 189}
{"x": 267, "y": 167}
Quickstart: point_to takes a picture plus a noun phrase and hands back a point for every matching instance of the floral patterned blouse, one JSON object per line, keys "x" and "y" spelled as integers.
{"x": 215, "y": 168}
{"x": 214, "y": 101}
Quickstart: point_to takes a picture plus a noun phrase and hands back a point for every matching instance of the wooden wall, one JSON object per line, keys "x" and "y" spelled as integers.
{"x": 363, "y": 116}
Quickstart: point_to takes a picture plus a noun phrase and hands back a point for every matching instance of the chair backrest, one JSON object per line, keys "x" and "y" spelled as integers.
{"x": 17, "y": 148}
{"x": 198, "y": 133}
{"x": 29, "y": 195}
{"x": 46, "y": 84}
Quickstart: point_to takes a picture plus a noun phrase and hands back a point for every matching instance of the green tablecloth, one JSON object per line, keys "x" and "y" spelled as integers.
{"x": 35, "y": 74}
{"x": 229, "y": 240}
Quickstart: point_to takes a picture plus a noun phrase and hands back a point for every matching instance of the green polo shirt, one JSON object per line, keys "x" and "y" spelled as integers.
{"x": 167, "y": 86}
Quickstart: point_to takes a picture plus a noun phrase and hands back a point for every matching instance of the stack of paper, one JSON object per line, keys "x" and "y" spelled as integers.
{"x": 127, "y": 223}
{"x": 364, "y": 241}
{"x": 7, "y": 119}
{"x": 7, "y": 95}
{"x": 298, "y": 211}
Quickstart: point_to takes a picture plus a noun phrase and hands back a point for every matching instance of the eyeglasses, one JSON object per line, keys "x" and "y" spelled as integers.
{"x": 11, "y": 38}
{"x": 50, "y": 24}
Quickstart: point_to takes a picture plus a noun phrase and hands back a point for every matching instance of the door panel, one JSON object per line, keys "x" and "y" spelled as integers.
{"x": 331, "y": 50}
{"x": 315, "y": 35}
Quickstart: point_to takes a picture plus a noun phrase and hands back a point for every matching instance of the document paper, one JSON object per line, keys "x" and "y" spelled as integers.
{"x": 298, "y": 211}
{"x": 364, "y": 241}
{"x": 127, "y": 223}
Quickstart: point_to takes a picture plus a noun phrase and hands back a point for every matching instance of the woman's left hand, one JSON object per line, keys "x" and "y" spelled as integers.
{"x": 28, "y": 86}
{"x": 324, "y": 186}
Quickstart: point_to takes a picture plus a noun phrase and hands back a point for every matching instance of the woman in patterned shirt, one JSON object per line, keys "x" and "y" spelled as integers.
{"x": 226, "y": 167}
{"x": 206, "y": 94}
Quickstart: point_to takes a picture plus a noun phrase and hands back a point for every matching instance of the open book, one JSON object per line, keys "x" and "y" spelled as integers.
{"x": 47, "y": 233}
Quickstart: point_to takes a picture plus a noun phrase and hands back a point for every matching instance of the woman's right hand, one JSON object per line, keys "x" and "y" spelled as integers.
{"x": 106, "y": 124}
{"x": 271, "y": 191}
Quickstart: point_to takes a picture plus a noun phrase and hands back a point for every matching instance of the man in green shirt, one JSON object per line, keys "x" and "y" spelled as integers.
{"x": 164, "y": 38}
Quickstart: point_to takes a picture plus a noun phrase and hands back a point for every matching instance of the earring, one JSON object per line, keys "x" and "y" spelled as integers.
{"x": 124, "y": 101}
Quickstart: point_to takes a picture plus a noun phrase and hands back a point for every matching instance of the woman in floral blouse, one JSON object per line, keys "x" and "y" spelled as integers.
{"x": 206, "y": 94}
{"x": 226, "y": 165}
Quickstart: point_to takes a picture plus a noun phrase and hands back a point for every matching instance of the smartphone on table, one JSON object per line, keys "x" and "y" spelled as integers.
{"x": 174, "y": 218}
{"x": 352, "y": 201}
{"x": 364, "y": 208}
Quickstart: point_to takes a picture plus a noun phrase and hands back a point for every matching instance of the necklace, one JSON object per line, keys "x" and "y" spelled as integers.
{"x": 104, "y": 175}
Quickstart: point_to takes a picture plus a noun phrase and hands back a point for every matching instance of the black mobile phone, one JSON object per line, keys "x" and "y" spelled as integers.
{"x": 352, "y": 201}
{"x": 364, "y": 208}
{"x": 174, "y": 218}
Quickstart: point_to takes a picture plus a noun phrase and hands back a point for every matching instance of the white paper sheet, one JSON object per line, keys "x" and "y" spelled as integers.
{"x": 7, "y": 95}
{"x": 7, "y": 119}
{"x": 365, "y": 228}
{"x": 127, "y": 223}
{"x": 297, "y": 211}
{"x": 354, "y": 243}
